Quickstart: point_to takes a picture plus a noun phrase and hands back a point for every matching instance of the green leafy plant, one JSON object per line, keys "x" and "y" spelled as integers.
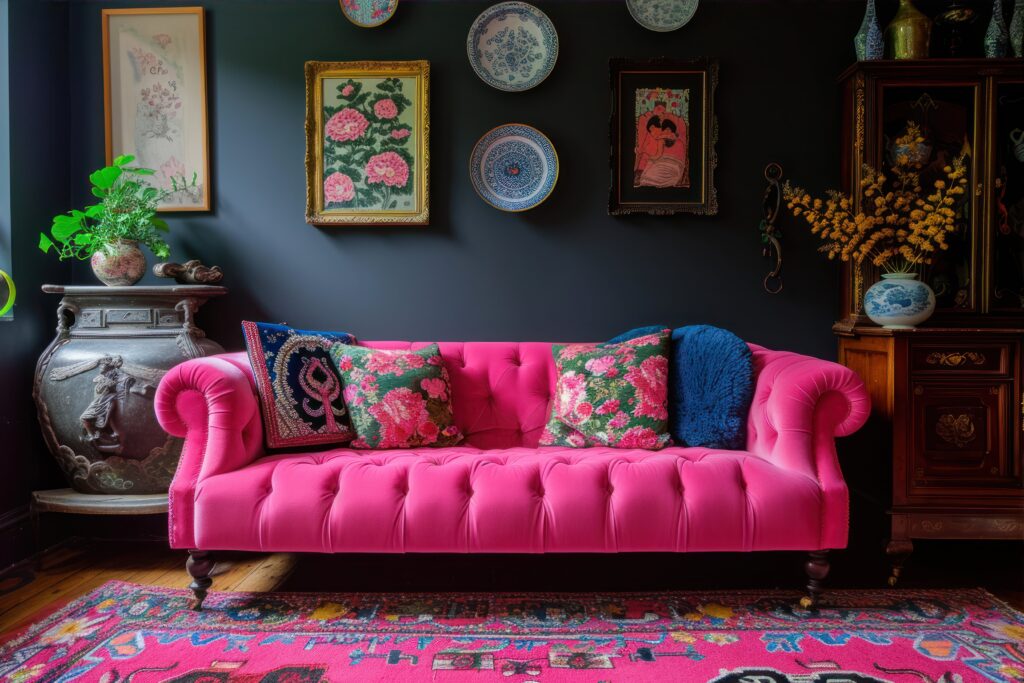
{"x": 126, "y": 211}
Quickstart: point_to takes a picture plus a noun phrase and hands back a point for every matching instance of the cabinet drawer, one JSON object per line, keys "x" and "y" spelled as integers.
{"x": 986, "y": 358}
{"x": 962, "y": 437}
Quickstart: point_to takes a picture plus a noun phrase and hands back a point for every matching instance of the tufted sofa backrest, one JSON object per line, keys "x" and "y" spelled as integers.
{"x": 501, "y": 391}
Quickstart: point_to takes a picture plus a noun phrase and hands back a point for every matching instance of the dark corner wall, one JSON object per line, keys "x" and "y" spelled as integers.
{"x": 564, "y": 271}
{"x": 34, "y": 177}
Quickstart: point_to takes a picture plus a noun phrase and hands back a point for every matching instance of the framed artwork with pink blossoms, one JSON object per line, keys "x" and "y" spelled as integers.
{"x": 367, "y": 143}
{"x": 154, "y": 92}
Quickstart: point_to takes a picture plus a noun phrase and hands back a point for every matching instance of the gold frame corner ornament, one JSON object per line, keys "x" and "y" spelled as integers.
{"x": 315, "y": 72}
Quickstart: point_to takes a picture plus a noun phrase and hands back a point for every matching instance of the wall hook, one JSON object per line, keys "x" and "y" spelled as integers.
{"x": 770, "y": 233}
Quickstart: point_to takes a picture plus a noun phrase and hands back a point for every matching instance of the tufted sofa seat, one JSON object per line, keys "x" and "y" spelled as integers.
{"x": 499, "y": 492}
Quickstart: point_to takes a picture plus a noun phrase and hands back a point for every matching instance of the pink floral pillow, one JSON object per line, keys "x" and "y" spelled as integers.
{"x": 397, "y": 399}
{"x": 611, "y": 394}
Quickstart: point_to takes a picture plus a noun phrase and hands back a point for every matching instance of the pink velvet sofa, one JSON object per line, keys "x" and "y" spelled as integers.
{"x": 498, "y": 492}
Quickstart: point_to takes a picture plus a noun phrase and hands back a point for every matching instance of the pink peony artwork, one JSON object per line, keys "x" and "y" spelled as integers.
{"x": 172, "y": 168}
{"x": 371, "y": 130}
{"x": 347, "y": 125}
{"x": 385, "y": 109}
{"x": 388, "y": 168}
{"x": 338, "y": 187}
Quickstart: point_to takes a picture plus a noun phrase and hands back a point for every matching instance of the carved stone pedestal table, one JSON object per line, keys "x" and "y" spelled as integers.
{"x": 94, "y": 383}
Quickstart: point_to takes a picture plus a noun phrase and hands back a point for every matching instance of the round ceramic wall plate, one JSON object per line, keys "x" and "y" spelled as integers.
{"x": 514, "y": 167}
{"x": 368, "y": 13}
{"x": 662, "y": 15}
{"x": 512, "y": 46}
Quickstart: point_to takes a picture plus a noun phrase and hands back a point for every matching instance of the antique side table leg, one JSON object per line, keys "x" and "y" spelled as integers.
{"x": 199, "y": 566}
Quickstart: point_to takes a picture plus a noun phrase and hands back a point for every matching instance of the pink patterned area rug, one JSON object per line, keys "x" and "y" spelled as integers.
{"x": 125, "y": 632}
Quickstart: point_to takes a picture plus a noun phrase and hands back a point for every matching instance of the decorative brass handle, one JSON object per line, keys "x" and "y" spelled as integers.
{"x": 955, "y": 359}
{"x": 958, "y": 430}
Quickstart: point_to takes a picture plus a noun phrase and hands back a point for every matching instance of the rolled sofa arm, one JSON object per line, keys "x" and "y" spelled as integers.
{"x": 211, "y": 403}
{"x": 800, "y": 405}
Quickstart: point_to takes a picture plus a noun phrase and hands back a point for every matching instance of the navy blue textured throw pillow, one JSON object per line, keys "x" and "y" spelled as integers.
{"x": 711, "y": 385}
{"x": 299, "y": 387}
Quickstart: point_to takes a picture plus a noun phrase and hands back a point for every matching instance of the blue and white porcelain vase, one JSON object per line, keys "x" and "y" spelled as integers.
{"x": 868, "y": 41}
{"x": 997, "y": 37}
{"x": 899, "y": 301}
{"x": 1017, "y": 29}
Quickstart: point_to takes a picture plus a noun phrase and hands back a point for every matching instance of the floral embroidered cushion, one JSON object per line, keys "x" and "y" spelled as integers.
{"x": 397, "y": 399}
{"x": 298, "y": 385}
{"x": 611, "y": 394}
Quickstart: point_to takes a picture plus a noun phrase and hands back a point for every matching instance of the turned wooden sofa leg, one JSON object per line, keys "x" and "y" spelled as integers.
{"x": 817, "y": 567}
{"x": 199, "y": 566}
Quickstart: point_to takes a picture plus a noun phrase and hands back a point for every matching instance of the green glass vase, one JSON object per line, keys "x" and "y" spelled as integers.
{"x": 907, "y": 35}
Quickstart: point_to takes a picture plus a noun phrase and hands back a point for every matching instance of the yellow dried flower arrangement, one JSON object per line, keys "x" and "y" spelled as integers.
{"x": 897, "y": 228}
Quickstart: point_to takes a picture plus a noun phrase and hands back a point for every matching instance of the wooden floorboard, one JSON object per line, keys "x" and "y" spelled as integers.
{"x": 63, "y": 575}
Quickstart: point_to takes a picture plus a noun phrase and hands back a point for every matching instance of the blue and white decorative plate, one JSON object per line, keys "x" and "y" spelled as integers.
{"x": 514, "y": 167}
{"x": 662, "y": 15}
{"x": 512, "y": 46}
{"x": 368, "y": 13}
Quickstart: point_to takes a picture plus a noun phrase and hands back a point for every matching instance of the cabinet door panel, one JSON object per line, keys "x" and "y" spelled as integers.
{"x": 961, "y": 437}
{"x": 949, "y": 115}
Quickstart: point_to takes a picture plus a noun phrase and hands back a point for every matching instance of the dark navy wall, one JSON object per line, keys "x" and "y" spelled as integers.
{"x": 37, "y": 188}
{"x": 565, "y": 271}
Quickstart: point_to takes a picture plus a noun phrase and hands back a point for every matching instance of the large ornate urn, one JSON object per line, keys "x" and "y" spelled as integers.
{"x": 94, "y": 383}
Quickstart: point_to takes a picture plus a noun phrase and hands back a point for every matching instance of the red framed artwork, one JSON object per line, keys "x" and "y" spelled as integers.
{"x": 663, "y": 133}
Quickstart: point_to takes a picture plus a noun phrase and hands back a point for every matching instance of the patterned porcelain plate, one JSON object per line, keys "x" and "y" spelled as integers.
{"x": 662, "y": 15}
{"x": 514, "y": 167}
{"x": 368, "y": 13}
{"x": 512, "y": 46}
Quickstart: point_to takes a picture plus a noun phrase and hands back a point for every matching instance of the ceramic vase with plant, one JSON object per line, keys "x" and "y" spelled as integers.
{"x": 109, "y": 233}
{"x": 898, "y": 228}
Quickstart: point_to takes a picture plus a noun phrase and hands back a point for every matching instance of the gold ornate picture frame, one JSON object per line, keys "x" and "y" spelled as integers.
{"x": 368, "y": 143}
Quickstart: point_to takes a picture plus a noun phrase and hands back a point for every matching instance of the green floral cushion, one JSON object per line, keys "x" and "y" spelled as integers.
{"x": 611, "y": 394}
{"x": 397, "y": 399}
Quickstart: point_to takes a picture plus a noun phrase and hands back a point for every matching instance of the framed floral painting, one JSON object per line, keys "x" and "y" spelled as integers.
{"x": 367, "y": 143}
{"x": 154, "y": 89}
{"x": 663, "y": 134}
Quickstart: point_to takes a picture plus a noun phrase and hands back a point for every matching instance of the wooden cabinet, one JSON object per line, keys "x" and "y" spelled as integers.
{"x": 950, "y": 392}
{"x": 954, "y": 401}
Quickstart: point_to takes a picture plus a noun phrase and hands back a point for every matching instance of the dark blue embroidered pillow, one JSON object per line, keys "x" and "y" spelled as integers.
{"x": 710, "y": 387}
{"x": 299, "y": 387}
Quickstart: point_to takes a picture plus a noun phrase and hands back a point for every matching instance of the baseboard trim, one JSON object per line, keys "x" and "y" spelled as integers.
{"x": 16, "y": 541}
